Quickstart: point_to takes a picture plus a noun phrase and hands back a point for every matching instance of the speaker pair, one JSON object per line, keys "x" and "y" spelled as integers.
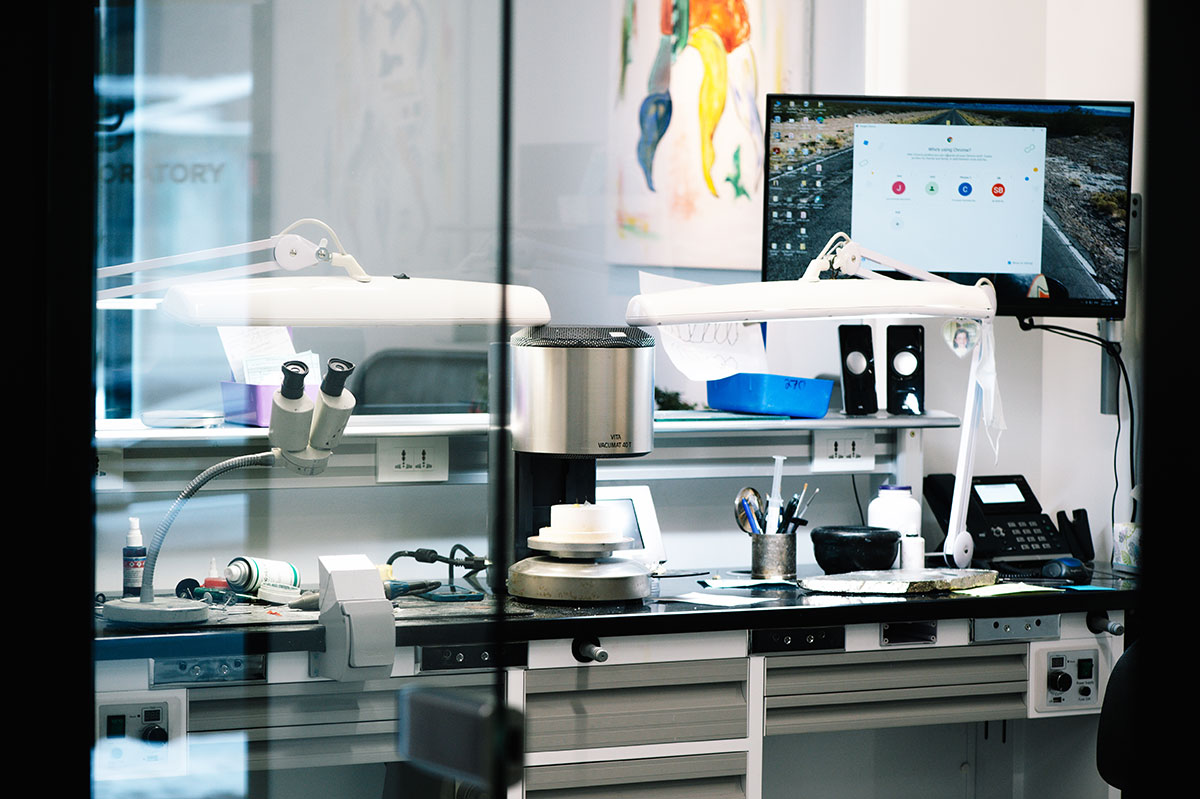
{"x": 905, "y": 370}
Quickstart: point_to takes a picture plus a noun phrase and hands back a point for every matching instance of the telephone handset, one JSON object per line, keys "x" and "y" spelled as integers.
{"x": 1008, "y": 525}
{"x": 1078, "y": 533}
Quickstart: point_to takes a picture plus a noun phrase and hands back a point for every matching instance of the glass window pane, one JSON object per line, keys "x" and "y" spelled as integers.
{"x": 232, "y": 136}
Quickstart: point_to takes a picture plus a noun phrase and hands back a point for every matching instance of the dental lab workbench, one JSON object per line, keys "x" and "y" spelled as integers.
{"x": 420, "y": 622}
{"x": 748, "y": 701}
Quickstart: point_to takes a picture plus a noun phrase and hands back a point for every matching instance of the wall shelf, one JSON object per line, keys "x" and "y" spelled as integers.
{"x": 687, "y": 445}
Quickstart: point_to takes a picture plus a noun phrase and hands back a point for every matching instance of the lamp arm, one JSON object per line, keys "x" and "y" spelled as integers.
{"x": 186, "y": 258}
{"x": 851, "y": 259}
{"x": 290, "y": 252}
{"x": 341, "y": 258}
{"x": 825, "y": 259}
{"x": 310, "y": 221}
{"x": 959, "y": 547}
{"x": 346, "y": 261}
{"x": 844, "y": 256}
{"x": 155, "y": 285}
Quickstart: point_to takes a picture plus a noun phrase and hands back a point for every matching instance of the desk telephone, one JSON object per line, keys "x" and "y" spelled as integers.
{"x": 1011, "y": 532}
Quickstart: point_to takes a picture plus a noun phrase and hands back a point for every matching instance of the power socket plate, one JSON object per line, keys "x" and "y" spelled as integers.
{"x": 843, "y": 450}
{"x": 412, "y": 460}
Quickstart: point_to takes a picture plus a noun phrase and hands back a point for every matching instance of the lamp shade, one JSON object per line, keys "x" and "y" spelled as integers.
{"x": 342, "y": 301}
{"x": 810, "y": 299}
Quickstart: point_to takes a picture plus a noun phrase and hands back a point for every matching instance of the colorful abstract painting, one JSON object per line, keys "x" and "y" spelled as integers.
{"x": 686, "y": 139}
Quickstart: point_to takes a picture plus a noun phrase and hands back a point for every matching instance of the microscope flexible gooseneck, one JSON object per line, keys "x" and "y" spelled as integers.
{"x": 303, "y": 434}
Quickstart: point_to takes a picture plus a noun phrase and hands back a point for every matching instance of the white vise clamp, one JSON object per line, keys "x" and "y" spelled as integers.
{"x": 360, "y": 630}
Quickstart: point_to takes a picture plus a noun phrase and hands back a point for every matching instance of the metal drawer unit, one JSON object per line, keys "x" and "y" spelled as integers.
{"x": 305, "y": 724}
{"x": 637, "y": 703}
{"x": 713, "y": 776}
{"x": 901, "y": 688}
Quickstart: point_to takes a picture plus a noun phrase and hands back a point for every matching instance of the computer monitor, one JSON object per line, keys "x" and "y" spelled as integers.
{"x": 1031, "y": 194}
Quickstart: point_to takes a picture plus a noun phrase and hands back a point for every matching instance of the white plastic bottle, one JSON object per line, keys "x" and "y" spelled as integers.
{"x": 896, "y": 509}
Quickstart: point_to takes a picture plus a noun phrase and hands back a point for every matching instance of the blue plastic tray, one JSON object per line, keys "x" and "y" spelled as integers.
{"x": 777, "y": 395}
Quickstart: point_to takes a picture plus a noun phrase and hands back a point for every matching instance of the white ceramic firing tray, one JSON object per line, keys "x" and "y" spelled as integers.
{"x": 578, "y": 549}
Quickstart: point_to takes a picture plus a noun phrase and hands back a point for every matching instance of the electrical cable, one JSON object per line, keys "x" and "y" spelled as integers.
{"x": 1113, "y": 349}
{"x": 472, "y": 562}
{"x": 309, "y": 221}
{"x": 858, "y": 502}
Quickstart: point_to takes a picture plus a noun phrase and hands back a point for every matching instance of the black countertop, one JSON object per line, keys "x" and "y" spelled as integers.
{"x": 423, "y": 623}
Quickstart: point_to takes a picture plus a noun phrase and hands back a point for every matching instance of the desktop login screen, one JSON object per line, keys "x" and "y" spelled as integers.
{"x": 944, "y": 197}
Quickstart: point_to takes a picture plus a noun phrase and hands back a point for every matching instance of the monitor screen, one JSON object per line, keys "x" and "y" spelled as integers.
{"x": 1031, "y": 194}
{"x": 999, "y": 493}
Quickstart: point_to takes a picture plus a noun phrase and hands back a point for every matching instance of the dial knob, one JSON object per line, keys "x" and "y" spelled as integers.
{"x": 154, "y": 734}
{"x": 1059, "y": 681}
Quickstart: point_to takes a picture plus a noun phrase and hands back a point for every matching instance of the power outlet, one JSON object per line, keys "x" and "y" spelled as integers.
{"x": 843, "y": 450}
{"x": 110, "y": 469}
{"x": 412, "y": 460}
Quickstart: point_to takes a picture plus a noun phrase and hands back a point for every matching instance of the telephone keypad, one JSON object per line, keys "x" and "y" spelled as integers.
{"x": 1025, "y": 536}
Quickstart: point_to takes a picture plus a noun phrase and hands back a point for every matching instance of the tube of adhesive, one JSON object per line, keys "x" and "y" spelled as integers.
{"x": 214, "y": 578}
{"x": 775, "y": 500}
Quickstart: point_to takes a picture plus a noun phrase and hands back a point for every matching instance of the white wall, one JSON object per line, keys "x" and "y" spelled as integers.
{"x": 1053, "y": 49}
{"x": 1094, "y": 50}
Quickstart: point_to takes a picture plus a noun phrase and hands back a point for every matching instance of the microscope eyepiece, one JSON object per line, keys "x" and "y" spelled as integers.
{"x": 294, "y": 373}
{"x": 336, "y": 376}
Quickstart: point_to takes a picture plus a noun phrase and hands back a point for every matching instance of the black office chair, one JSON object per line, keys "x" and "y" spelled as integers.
{"x": 1117, "y": 734}
{"x": 421, "y": 381}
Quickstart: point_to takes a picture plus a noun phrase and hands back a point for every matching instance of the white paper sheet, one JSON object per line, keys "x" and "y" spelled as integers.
{"x": 266, "y": 370}
{"x": 707, "y": 351}
{"x": 697, "y": 598}
{"x": 255, "y": 354}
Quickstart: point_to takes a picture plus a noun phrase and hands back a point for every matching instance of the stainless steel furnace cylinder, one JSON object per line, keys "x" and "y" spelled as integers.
{"x": 583, "y": 391}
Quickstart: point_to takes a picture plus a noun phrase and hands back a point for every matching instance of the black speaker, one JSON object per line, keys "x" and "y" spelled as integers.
{"x": 906, "y": 370}
{"x": 858, "y": 370}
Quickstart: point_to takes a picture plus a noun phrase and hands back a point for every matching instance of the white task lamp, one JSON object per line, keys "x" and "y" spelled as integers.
{"x": 302, "y": 436}
{"x": 355, "y": 299}
{"x": 873, "y": 294}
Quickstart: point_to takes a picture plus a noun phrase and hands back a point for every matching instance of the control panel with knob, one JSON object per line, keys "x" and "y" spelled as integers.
{"x": 140, "y": 734}
{"x": 145, "y": 722}
{"x": 1072, "y": 678}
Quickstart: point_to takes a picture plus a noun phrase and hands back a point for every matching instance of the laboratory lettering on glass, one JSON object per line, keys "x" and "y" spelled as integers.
{"x": 1033, "y": 195}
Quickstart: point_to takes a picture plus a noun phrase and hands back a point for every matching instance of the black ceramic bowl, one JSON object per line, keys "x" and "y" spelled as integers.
{"x": 849, "y": 549}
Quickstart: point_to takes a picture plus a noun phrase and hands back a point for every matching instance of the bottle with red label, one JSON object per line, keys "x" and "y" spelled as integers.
{"x": 133, "y": 559}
